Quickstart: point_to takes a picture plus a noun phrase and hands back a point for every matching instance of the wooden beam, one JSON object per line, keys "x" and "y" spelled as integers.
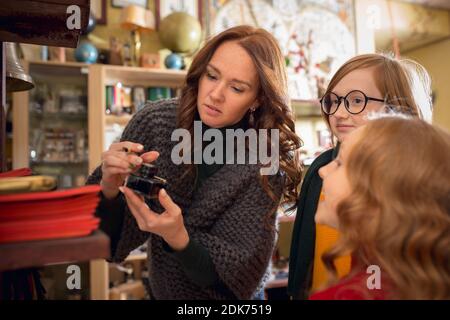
{"x": 41, "y": 22}
{"x": 18, "y": 255}
{"x": 2, "y": 107}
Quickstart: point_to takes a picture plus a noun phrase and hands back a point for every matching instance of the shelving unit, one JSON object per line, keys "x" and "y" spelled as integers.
{"x": 102, "y": 75}
{"x": 306, "y": 108}
{"x": 99, "y": 77}
{"x": 41, "y": 117}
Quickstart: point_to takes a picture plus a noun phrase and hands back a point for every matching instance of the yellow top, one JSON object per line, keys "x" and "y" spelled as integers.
{"x": 326, "y": 237}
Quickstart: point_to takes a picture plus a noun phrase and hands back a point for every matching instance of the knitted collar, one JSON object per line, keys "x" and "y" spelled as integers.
{"x": 204, "y": 171}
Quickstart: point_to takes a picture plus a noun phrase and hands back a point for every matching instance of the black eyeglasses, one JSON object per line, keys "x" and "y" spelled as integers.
{"x": 355, "y": 102}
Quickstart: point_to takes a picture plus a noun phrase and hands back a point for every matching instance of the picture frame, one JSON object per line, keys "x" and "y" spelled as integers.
{"x": 126, "y": 3}
{"x": 98, "y": 8}
{"x": 165, "y": 7}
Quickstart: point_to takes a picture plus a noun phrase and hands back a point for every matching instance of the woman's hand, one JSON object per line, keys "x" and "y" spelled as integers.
{"x": 118, "y": 162}
{"x": 169, "y": 224}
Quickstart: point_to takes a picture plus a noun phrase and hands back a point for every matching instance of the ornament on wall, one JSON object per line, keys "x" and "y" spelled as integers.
{"x": 319, "y": 44}
{"x": 316, "y": 36}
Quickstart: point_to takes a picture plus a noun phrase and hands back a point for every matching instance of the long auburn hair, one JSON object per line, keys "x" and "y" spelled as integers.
{"x": 273, "y": 112}
{"x": 398, "y": 214}
{"x": 404, "y": 83}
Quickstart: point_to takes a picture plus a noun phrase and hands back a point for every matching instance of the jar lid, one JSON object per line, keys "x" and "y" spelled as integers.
{"x": 148, "y": 170}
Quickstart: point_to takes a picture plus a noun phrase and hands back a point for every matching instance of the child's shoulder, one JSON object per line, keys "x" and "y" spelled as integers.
{"x": 351, "y": 288}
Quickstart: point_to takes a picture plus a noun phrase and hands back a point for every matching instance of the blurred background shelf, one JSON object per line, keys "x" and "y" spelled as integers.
{"x": 111, "y": 119}
{"x": 306, "y": 108}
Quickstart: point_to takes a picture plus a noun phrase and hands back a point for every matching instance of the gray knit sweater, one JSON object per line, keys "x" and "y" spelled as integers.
{"x": 227, "y": 214}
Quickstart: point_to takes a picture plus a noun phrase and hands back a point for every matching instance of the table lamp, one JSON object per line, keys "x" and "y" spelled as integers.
{"x": 137, "y": 19}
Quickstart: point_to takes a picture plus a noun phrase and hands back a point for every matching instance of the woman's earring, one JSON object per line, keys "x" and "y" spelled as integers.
{"x": 252, "y": 117}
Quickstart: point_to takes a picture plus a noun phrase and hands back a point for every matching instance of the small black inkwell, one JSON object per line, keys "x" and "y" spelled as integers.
{"x": 145, "y": 183}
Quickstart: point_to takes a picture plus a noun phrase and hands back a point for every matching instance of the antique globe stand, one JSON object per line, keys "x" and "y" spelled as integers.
{"x": 181, "y": 34}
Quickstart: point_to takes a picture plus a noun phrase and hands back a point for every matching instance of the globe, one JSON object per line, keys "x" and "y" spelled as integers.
{"x": 92, "y": 22}
{"x": 174, "y": 61}
{"x": 180, "y": 32}
{"x": 86, "y": 52}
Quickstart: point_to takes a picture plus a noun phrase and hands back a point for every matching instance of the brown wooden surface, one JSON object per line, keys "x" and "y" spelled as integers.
{"x": 3, "y": 108}
{"x": 277, "y": 283}
{"x": 38, "y": 253}
{"x": 41, "y": 22}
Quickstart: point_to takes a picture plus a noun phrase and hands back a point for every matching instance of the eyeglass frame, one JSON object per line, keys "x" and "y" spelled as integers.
{"x": 340, "y": 98}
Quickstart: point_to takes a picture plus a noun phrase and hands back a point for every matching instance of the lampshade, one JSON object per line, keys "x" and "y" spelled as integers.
{"x": 135, "y": 17}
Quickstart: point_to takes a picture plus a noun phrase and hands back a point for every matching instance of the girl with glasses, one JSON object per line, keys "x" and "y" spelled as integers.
{"x": 388, "y": 192}
{"x": 365, "y": 84}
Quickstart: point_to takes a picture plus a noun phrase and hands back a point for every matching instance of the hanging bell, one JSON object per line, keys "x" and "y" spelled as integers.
{"x": 16, "y": 78}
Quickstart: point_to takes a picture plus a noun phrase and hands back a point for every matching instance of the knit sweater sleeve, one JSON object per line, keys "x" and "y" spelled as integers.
{"x": 126, "y": 236}
{"x": 241, "y": 242}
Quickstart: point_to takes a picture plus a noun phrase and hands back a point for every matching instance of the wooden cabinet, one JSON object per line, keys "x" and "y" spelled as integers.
{"x": 86, "y": 82}
{"x": 50, "y": 122}
{"x": 101, "y": 76}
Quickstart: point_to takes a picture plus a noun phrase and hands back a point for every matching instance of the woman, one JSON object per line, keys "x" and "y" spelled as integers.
{"x": 388, "y": 192}
{"x": 364, "y": 84}
{"x": 216, "y": 235}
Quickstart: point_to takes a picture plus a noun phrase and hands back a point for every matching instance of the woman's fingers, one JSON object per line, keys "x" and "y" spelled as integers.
{"x": 131, "y": 199}
{"x": 142, "y": 213}
{"x": 121, "y": 160}
{"x": 112, "y": 160}
{"x": 168, "y": 224}
{"x": 150, "y": 156}
{"x": 166, "y": 201}
{"x": 127, "y": 146}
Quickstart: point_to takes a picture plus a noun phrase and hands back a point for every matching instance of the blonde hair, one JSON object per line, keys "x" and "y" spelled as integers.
{"x": 404, "y": 83}
{"x": 398, "y": 215}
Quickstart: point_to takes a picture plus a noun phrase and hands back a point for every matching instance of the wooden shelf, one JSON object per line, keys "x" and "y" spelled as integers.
{"x": 27, "y": 254}
{"x": 122, "y": 120}
{"x": 59, "y": 64}
{"x": 42, "y": 22}
{"x": 143, "y": 76}
{"x": 136, "y": 256}
{"x": 306, "y": 108}
{"x": 48, "y": 116}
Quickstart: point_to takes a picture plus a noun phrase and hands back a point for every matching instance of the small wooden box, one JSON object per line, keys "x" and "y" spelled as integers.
{"x": 150, "y": 60}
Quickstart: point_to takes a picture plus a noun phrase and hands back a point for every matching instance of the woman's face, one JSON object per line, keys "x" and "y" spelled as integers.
{"x": 229, "y": 86}
{"x": 335, "y": 185}
{"x": 342, "y": 122}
